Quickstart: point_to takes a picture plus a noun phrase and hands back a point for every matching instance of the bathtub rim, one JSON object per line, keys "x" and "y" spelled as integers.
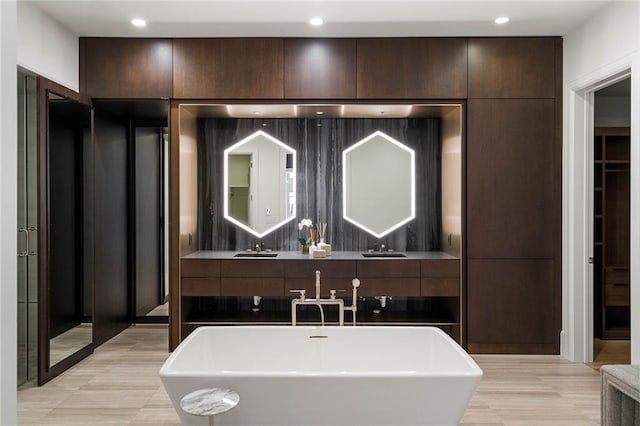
{"x": 472, "y": 371}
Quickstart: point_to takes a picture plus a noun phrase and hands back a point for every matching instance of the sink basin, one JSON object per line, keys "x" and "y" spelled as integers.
{"x": 256, "y": 254}
{"x": 384, "y": 254}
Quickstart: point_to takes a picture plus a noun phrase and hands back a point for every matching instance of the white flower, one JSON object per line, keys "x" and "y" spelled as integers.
{"x": 303, "y": 223}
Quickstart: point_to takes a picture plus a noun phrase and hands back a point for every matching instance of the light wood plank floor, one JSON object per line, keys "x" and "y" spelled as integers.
{"x": 119, "y": 385}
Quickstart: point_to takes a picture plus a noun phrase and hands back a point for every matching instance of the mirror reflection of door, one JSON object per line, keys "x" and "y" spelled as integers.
{"x": 259, "y": 183}
{"x": 150, "y": 292}
{"x": 239, "y": 187}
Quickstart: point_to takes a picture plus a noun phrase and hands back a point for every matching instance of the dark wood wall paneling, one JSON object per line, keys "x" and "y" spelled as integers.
{"x": 111, "y": 229}
{"x": 126, "y": 68}
{"x": 513, "y": 206}
{"x": 512, "y": 67}
{"x": 514, "y": 87}
{"x": 233, "y": 68}
{"x": 412, "y": 68}
{"x": 319, "y": 68}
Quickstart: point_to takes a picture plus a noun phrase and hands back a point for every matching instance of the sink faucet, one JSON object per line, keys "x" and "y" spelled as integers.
{"x": 319, "y": 302}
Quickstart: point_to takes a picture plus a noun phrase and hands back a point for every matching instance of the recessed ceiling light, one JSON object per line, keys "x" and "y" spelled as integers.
{"x": 257, "y": 112}
{"x": 501, "y": 20}
{"x": 319, "y": 112}
{"x": 316, "y": 21}
{"x": 138, "y": 22}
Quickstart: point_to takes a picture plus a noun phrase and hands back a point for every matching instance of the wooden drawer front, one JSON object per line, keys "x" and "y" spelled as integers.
{"x": 327, "y": 284}
{"x": 389, "y": 287}
{"x": 617, "y": 277}
{"x": 617, "y": 295}
{"x": 440, "y": 287}
{"x": 252, "y": 287}
{"x": 208, "y": 286}
{"x": 440, "y": 268}
{"x": 388, "y": 268}
{"x": 200, "y": 268}
{"x": 327, "y": 268}
{"x": 252, "y": 268}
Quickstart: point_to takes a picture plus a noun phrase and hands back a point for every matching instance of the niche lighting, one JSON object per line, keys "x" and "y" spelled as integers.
{"x": 316, "y": 22}
{"x": 501, "y": 20}
{"x": 137, "y": 22}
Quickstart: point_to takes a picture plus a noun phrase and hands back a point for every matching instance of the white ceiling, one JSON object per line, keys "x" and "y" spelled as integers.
{"x": 343, "y": 18}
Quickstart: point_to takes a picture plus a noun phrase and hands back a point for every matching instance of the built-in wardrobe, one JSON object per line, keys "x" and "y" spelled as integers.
{"x": 511, "y": 155}
{"x": 611, "y": 209}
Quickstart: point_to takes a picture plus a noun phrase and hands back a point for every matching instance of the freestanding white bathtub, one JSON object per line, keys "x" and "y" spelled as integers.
{"x": 328, "y": 376}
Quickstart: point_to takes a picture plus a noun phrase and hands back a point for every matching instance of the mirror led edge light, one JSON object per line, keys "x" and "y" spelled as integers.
{"x": 225, "y": 182}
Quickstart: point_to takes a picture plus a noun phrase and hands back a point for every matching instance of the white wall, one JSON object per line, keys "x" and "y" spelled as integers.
{"x": 605, "y": 45}
{"x": 612, "y": 111}
{"x": 8, "y": 212}
{"x": 47, "y": 48}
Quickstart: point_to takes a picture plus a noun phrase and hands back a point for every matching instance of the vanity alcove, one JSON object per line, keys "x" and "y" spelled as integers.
{"x": 219, "y": 152}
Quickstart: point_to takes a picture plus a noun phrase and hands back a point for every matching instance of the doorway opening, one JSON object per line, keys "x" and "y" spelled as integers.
{"x": 611, "y": 224}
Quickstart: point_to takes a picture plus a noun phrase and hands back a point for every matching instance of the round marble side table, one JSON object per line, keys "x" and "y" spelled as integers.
{"x": 209, "y": 402}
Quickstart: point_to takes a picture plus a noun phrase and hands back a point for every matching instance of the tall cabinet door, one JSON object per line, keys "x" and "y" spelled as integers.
{"x": 513, "y": 226}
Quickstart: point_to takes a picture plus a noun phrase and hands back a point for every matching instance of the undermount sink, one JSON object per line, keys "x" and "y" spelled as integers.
{"x": 256, "y": 254}
{"x": 384, "y": 254}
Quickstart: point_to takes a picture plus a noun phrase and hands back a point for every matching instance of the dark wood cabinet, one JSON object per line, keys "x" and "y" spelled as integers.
{"x": 611, "y": 234}
{"x": 319, "y": 68}
{"x": 221, "y": 290}
{"x": 205, "y": 286}
{"x": 335, "y": 274}
{"x": 126, "y": 68}
{"x": 232, "y": 68}
{"x": 513, "y": 179}
{"x": 514, "y": 306}
{"x": 440, "y": 278}
{"x": 513, "y": 67}
{"x": 513, "y": 212}
{"x": 412, "y": 68}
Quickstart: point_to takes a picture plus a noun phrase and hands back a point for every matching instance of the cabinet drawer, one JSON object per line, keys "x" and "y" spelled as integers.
{"x": 617, "y": 295}
{"x": 200, "y": 268}
{"x": 207, "y": 286}
{"x": 252, "y": 287}
{"x": 252, "y": 268}
{"x": 440, "y": 268}
{"x": 328, "y": 268}
{"x": 389, "y": 287}
{"x": 388, "y": 268}
{"x": 327, "y": 284}
{"x": 617, "y": 276}
{"x": 440, "y": 287}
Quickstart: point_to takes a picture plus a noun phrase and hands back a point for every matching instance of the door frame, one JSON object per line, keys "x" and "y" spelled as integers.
{"x": 576, "y": 340}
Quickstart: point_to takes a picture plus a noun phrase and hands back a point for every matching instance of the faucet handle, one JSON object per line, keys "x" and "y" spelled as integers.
{"x": 302, "y": 293}
{"x": 333, "y": 292}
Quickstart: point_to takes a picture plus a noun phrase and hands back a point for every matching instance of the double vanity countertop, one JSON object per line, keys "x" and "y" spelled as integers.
{"x": 335, "y": 255}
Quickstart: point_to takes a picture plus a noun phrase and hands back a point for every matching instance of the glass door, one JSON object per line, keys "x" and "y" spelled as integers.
{"x": 27, "y": 230}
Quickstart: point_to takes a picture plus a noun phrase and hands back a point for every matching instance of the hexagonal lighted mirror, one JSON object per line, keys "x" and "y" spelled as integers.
{"x": 378, "y": 184}
{"x": 259, "y": 183}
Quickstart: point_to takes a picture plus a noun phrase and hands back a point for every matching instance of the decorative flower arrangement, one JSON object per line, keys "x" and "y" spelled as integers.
{"x": 305, "y": 223}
